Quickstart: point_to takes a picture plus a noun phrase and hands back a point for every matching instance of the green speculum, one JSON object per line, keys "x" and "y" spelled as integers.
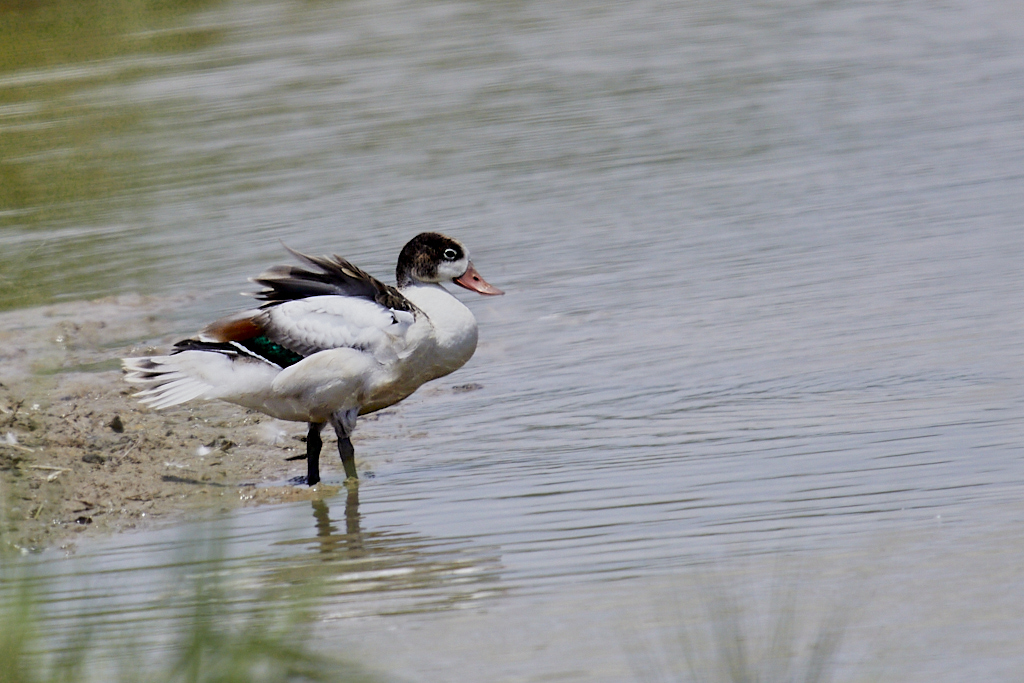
{"x": 272, "y": 351}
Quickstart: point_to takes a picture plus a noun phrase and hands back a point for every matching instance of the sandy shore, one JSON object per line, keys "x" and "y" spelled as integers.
{"x": 78, "y": 456}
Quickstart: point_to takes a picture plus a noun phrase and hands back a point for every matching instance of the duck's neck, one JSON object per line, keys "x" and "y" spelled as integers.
{"x": 454, "y": 327}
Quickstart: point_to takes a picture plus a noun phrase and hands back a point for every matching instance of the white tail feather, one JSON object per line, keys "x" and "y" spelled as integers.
{"x": 172, "y": 380}
{"x": 165, "y": 381}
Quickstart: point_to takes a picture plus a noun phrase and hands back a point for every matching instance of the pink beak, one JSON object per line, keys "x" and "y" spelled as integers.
{"x": 472, "y": 280}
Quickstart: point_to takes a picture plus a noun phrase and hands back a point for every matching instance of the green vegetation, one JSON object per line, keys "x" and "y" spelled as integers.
{"x": 218, "y": 639}
{"x": 717, "y": 637}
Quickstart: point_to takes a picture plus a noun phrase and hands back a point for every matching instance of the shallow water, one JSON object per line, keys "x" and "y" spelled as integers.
{"x": 763, "y": 275}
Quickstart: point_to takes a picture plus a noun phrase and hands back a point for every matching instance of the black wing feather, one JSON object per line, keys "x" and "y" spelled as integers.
{"x": 336, "y": 277}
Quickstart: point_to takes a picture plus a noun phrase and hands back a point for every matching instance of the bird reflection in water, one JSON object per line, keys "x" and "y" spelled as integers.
{"x": 416, "y": 572}
{"x": 331, "y": 542}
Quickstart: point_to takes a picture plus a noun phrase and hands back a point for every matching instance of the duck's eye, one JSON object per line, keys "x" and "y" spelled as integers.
{"x": 450, "y": 254}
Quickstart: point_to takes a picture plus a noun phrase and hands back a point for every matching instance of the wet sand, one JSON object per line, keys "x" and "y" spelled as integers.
{"x": 79, "y": 456}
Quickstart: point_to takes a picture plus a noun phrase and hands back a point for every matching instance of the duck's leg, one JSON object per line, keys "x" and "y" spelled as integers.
{"x": 313, "y": 446}
{"x": 344, "y": 422}
{"x": 312, "y": 456}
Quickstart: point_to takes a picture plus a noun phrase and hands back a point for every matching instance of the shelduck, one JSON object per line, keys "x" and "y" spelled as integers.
{"x": 329, "y": 344}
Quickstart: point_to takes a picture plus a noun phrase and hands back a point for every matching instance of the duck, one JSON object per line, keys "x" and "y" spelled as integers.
{"x": 329, "y": 343}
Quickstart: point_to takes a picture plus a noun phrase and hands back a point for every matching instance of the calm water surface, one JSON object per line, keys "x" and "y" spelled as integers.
{"x": 763, "y": 264}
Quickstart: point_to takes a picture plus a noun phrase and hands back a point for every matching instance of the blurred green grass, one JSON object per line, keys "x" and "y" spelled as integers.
{"x": 219, "y": 638}
{"x": 728, "y": 627}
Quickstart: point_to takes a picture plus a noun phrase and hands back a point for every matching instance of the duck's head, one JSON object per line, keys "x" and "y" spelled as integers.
{"x": 431, "y": 257}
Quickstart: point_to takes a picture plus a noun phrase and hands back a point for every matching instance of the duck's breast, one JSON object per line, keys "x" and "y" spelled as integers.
{"x": 441, "y": 340}
{"x": 452, "y": 335}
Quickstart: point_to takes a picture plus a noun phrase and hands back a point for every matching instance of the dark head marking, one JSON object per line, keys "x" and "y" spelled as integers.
{"x": 420, "y": 257}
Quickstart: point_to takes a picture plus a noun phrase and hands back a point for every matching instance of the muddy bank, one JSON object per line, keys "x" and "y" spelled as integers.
{"x": 79, "y": 456}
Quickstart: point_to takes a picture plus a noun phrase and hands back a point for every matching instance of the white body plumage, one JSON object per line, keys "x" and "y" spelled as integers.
{"x": 330, "y": 345}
